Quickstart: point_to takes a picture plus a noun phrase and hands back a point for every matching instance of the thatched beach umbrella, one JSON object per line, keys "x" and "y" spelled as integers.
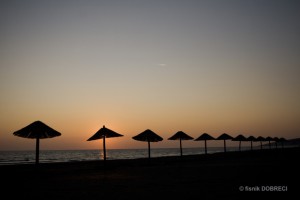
{"x": 148, "y": 136}
{"x": 260, "y": 139}
{"x": 239, "y": 138}
{"x": 276, "y": 140}
{"x": 224, "y": 137}
{"x": 180, "y": 136}
{"x": 282, "y": 140}
{"x": 37, "y": 130}
{"x": 102, "y": 134}
{"x": 205, "y": 137}
{"x": 251, "y": 139}
{"x": 269, "y": 140}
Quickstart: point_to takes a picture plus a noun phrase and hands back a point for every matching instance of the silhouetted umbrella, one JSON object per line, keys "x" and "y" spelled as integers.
{"x": 251, "y": 139}
{"x": 102, "y": 134}
{"x": 276, "y": 139}
{"x": 260, "y": 139}
{"x": 148, "y": 136}
{"x": 239, "y": 138}
{"x": 269, "y": 140}
{"x": 180, "y": 136}
{"x": 282, "y": 140}
{"x": 205, "y": 137}
{"x": 37, "y": 130}
{"x": 224, "y": 137}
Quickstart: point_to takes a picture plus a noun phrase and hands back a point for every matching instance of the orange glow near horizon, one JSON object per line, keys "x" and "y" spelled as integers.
{"x": 76, "y": 138}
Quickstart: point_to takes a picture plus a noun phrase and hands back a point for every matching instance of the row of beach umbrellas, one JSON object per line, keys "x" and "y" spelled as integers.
{"x": 38, "y": 130}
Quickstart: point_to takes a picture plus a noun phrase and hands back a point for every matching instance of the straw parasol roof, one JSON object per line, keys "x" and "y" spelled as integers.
{"x": 269, "y": 138}
{"x": 103, "y": 133}
{"x": 148, "y": 136}
{"x": 180, "y": 136}
{"x": 239, "y": 138}
{"x": 282, "y": 139}
{"x": 260, "y": 138}
{"x": 205, "y": 137}
{"x": 37, "y": 130}
{"x": 224, "y": 137}
{"x": 251, "y": 138}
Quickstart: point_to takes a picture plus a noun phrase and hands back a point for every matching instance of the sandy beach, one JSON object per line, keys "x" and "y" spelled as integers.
{"x": 268, "y": 173}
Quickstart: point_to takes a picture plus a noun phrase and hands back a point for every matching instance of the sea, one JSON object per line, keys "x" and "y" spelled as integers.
{"x": 52, "y": 156}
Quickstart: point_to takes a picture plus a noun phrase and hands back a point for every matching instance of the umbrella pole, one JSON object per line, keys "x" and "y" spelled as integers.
{"x": 104, "y": 148}
{"x": 180, "y": 147}
{"x": 225, "y": 146}
{"x": 148, "y": 149}
{"x": 260, "y": 145}
{"x": 251, "y": 145}
{"x": 37, "y": 150}
{"x": 240, "y": 145}
{"x": 205, "y": 147}
{"x": 269, "y": 144}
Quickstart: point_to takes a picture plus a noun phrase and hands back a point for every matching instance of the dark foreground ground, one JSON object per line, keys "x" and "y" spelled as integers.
{"x": 216, "y": 176}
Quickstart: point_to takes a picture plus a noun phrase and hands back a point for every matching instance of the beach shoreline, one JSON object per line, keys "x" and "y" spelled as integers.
{"x": 231, "y": 175}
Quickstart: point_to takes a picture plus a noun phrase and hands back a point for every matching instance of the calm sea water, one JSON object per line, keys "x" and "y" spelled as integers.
{"x": 49, "y": 156}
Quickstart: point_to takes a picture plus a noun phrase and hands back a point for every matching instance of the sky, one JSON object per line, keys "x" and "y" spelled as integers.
{"x": 196, "y": 66}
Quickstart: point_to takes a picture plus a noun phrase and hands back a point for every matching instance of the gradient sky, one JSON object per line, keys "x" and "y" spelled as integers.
{"x": 166, "y": 65}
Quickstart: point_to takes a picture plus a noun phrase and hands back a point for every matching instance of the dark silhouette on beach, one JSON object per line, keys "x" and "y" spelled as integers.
{"x": 224, "y": 137}
{"x": 269, "y": 139}
{"x": 37, "y": 130}
{"x": 205, "y": 137}
{"x": 282, "y": 141}
{"x": 148, "y": 136}
{"x": 239, "y": 138}
{"x": 180, "y": 136}
{"x": 251, "y": 139}
{"x": 260, "y": 139}
{"x": 276, "y": 140}
{"x": 102, "y": 134}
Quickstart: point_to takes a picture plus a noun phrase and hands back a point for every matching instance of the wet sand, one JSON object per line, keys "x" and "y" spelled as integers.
{"x": 211, "y": 176}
